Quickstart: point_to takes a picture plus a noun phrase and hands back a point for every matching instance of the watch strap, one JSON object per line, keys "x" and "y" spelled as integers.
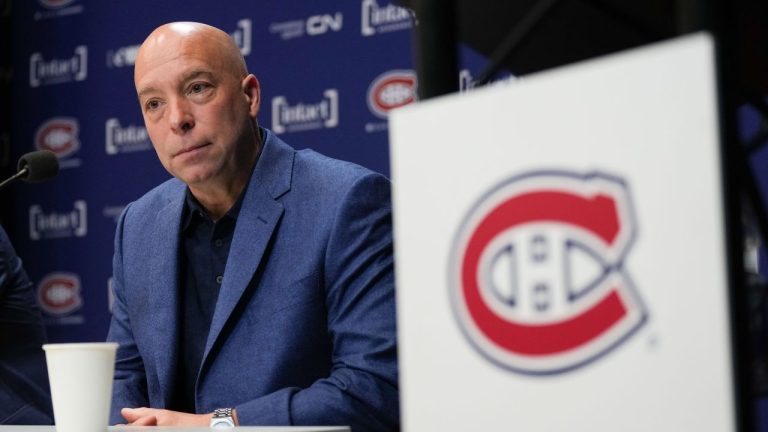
{"x": 222, "y": 417}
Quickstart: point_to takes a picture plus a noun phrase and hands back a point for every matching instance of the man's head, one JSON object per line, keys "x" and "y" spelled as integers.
{"x": 199, "y": 105}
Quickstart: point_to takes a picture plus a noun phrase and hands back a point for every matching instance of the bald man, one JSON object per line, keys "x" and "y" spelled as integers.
{"x": 256, "y": 286}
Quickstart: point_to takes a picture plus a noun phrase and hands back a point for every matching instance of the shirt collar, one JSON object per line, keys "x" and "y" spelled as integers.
{"x": 194, "y": 210}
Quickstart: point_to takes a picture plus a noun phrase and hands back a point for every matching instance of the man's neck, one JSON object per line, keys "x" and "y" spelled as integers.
{"x": 217, "y": 200}
{"x": 219, "y": 196}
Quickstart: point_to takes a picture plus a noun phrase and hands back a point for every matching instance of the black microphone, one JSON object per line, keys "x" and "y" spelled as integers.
{"x": 35, "y": 167}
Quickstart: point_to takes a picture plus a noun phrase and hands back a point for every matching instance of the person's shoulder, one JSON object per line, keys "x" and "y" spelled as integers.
{"x": 335, "y": 181}
{"x": 319, "y": 167}
{"x": 314, "y": 177}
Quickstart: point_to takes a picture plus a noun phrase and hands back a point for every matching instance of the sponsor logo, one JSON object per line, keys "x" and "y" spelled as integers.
{"x": 57, "y": 8}
{"x": 314, "y": 25}
{"x": 125, "y": 139}
{"x": 305, "y": 116}
{"x": 49, "y": 225}
{"x": 60, "y": 135}
{"x": 57, "y": 71}
{"x": 288, "y": 29}
{"x": 391, "y": 90}
{"x": 242, "y": 36}
{"x": 322, "y": 24}
{"x": 467, "y": 81}
{"x": 123, "y": 56}
{"x": 388, "y": 91}
{"x": 538, "y": 281}
{"x": 59, "y": 294}
{"x": 384, "y": 19}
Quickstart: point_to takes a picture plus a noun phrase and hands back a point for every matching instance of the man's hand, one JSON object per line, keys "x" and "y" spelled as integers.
{"x": 161, "y": 417}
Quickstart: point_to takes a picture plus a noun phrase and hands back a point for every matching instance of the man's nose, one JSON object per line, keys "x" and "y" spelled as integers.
{"x": 181, "y": 118}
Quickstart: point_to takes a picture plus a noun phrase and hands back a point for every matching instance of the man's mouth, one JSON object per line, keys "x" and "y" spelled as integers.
{"x": 191, "y": 149}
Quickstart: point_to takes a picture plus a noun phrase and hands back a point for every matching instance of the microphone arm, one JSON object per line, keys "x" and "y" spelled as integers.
{"x": 22, "y": 173}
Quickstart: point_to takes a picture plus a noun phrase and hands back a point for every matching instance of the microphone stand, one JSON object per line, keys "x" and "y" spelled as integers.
{"x": 22, "y": 172}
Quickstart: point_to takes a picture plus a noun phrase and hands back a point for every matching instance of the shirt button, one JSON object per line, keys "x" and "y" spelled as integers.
{"x": 218, "y": 242}
{"x": 219, "y": 278}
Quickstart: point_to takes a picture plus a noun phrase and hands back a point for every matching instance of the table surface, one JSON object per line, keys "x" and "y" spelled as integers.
{"x": 188, "y": 429}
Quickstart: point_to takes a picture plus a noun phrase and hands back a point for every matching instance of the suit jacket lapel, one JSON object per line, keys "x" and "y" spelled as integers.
{"x": 258, "y": 218}
{"x": 164, "y": 272}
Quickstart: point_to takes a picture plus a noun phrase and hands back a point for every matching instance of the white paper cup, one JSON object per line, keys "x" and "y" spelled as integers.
{"x": 81, "y": 376}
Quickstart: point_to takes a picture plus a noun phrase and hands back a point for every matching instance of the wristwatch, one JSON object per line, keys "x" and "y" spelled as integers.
{"x": 222, "y": 419}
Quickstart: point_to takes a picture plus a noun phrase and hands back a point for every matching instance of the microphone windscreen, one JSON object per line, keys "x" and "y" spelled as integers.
{"x": 41, "y": 165}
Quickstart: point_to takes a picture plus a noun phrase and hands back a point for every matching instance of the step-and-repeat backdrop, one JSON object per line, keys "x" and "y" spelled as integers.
{"x": 330, "y": 73}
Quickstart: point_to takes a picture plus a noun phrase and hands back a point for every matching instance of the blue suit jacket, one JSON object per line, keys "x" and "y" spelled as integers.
{"x": 24, "y": 395}
{"x": 304, "y": 327}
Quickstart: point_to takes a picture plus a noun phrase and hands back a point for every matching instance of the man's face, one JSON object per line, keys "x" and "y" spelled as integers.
{"x": 198, "y": 112}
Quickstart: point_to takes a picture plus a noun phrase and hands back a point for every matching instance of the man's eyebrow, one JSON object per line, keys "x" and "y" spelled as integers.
{"x": 196, "y": 73}
{"x": 146, "y": 90}
{"x": 185, "y": 78}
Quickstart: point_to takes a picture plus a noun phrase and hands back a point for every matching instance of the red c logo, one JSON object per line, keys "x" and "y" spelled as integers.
{"x": 538, "y": 284}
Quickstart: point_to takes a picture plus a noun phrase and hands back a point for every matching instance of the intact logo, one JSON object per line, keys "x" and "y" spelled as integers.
{"x": 304, "y": 116}
{"x": 125, "y": 139}
{"x": 537, "y": 275}
{"x": 59, "y": 293}
{"x": 50, "y": 225}
{"x": 57, "y": 71}
{"x": 391, "y": 90}
{"x": 59, "y": 135}
{"x": 377, "y": 19}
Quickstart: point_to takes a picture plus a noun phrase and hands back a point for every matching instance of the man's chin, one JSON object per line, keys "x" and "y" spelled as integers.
{"x": 196, "y": 178}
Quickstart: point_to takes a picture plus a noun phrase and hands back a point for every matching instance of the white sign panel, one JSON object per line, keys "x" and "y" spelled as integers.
{"x": 560, "y": 251}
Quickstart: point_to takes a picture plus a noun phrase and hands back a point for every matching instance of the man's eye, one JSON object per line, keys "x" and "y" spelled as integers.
{"x": 197, "y": 88}
{"x": 153, "y": 104}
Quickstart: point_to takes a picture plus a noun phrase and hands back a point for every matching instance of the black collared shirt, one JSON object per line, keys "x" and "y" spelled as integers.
{"x": 203, "y": 257}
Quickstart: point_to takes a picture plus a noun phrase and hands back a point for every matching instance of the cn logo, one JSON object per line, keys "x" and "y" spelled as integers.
{"x": 538, "y": 283}
{"x": 320, "y": 24}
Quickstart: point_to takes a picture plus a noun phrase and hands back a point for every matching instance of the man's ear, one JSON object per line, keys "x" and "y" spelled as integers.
{"x": 252, "y": 90}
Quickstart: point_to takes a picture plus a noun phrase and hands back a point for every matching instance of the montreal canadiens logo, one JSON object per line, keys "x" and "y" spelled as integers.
{"x": 59, "y": 293}
{"x": 538, "y": 282}
{"x": 59, "y": 135}
{"x": 391, "y": 90}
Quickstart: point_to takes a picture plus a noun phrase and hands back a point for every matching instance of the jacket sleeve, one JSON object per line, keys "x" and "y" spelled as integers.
{"x": 130, "y": 384}
{"x": 24, "y": 394}
{"x": 361, "y": 390}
